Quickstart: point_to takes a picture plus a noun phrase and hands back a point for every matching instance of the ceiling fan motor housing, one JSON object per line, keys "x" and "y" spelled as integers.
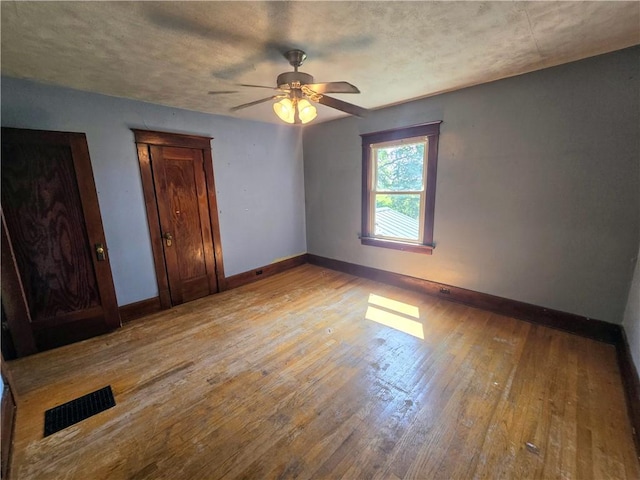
{"x": 288, "y": 78}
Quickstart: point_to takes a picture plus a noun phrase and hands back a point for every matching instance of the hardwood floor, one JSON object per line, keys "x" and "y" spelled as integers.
{"x": 295, "y": 377}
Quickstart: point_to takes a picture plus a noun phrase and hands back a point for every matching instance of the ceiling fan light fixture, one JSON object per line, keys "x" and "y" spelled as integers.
{"x": 285, "y": 110}
{"x": 306, "y": 111}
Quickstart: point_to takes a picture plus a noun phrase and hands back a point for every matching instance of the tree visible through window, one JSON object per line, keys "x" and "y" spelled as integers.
{"x": 399, "y": 168}
{"x": 398, "y": 190}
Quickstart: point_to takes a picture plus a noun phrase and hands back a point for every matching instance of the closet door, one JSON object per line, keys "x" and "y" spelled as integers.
{"x": 56, "y": 240}
{"x": 179, "y": 189}
{"x": 183, "y": 210}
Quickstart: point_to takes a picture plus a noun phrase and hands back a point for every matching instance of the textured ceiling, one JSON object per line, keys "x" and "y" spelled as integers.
{"x": 173, "y": 53}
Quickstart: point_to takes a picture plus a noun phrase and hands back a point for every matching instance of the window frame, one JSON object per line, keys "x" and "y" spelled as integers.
{"x": 432, "y": 133}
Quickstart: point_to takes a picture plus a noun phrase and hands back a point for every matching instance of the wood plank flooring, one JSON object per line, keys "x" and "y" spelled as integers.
{"x": 307, "y": 375}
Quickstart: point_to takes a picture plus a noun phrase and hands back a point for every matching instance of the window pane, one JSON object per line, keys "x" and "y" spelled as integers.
{"x": 401, "y": 167}
{"x": 397, "y": 216}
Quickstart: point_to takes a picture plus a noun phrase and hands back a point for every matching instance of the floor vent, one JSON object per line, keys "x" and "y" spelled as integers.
{"x": 70, "y": 413}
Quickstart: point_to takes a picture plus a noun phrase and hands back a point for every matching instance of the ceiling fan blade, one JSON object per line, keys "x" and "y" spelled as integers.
{"x": 251, "y": 104}
{"x": 343, "y": 106}
{"x": 257, "y": 86}
{"x": 333, "y": 87}
{"x": 218, "y": 92}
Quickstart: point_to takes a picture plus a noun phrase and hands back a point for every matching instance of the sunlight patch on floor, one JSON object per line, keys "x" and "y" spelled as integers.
{"x": 395, "y": 314}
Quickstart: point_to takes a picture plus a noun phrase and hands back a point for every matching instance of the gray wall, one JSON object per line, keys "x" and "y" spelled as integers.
{"x": 631, "y": 321}
{"x": 258, "y": 171}
{"x": 537, "y": 193}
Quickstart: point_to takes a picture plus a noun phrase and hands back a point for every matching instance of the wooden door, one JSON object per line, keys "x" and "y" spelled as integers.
{"x": 177, "y": 177}
{"x": 61, "y": 289}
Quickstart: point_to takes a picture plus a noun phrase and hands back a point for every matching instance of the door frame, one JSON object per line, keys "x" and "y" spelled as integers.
{"x": 7, "y": 417}
{"x": 13, "y": 298}
{"x": 144, "y": 139}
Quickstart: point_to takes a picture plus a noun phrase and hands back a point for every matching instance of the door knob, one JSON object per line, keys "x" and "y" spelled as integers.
{"x": 100, "y": 252}
{"x": 168, "y": 238}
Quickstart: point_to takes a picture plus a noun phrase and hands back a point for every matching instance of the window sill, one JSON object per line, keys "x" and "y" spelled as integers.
{"x": 405, "y": 247}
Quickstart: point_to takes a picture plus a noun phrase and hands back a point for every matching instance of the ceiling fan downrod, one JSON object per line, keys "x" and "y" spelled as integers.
{"x": 294, "y": 79}
{"x": 296, "y": 58}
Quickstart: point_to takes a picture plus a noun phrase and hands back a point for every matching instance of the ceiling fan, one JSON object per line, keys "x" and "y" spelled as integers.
{"x": 297, "y": 92}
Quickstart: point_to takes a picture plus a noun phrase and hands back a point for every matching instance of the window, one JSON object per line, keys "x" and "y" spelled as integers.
{"x": 398, "y": 187}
